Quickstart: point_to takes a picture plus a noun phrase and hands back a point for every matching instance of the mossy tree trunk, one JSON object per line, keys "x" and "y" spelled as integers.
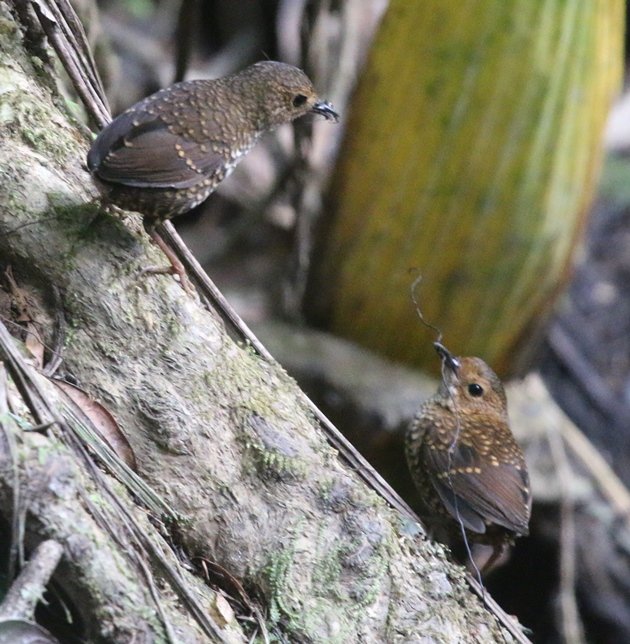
{"x": 222, "y": 435}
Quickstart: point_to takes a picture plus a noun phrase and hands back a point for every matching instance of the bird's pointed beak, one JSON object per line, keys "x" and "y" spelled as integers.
{"x": 326, "y": 110}
{"x": 448, "y": 360}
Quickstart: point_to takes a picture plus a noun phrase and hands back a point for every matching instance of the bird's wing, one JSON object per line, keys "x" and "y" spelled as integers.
{"x": 149, "y": 155}
{"x": 476, "y": 491}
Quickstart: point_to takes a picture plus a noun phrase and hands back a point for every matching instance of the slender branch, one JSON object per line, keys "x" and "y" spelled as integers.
{"x": 570, "y": 623}
{"x": 26, "y": 591}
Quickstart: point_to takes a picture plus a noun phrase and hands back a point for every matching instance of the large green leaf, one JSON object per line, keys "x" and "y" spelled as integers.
{"x": 471, "y": 154}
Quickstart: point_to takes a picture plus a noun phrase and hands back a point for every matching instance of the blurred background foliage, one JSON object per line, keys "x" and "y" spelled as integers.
{"x": 472, "y": 151}
{"x": 469, "y": 152}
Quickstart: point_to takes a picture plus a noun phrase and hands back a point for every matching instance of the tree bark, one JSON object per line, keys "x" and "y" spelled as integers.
{"x": 221, "y": 434}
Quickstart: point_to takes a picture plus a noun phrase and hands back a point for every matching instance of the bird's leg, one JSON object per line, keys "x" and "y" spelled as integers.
{"x": 176, "y": 267}
{"x": 498, "y": 550}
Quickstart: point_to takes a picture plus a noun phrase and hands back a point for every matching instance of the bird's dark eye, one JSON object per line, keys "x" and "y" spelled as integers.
{"x": 299, "y": 100}
{"x": 475, "y": 390}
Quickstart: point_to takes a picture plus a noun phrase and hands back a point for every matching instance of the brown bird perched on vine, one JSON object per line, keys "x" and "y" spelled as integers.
{"x": 167, "y": 153}
{"x": 466, "y": 464}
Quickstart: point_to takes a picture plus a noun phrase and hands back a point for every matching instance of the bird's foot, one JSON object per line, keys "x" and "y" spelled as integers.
{"x": 175, "y": 268}
{"x": 180, "y": 274}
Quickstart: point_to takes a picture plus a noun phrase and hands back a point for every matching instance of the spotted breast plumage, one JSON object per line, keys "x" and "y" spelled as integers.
{"x": 167, "y": 153}
{"x": 465, "y": 462}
